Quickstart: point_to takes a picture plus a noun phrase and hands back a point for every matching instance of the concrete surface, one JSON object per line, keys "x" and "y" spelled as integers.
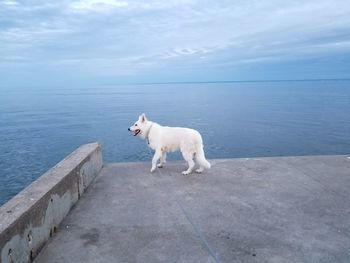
{"x": 293, "y": 209}
{"x": 30, "y": 218}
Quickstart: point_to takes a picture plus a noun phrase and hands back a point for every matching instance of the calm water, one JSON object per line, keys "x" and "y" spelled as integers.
{"x": 38, "y": 127}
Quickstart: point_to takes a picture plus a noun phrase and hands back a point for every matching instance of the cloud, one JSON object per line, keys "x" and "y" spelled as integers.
{"x": 120, "y": 37}
{"x": 10, "y": 3}
{"x": 97, "y": 5}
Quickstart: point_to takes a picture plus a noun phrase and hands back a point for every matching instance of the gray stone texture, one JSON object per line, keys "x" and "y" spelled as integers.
{"x": 30, "y": 218}
{"x": 283, "y": 209}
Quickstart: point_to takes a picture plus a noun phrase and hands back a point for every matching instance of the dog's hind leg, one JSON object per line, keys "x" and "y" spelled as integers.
{"x": 189, "y": 158}
{"x": 200, "y": 158}
{"x": 156, "y": 156}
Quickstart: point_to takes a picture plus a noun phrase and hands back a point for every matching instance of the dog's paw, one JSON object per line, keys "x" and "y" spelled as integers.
{"x": 185, "y": 172}
{"x": 160, "y": 165}
{"x": 153, "y": 169}
{"x": 199, "y": 171}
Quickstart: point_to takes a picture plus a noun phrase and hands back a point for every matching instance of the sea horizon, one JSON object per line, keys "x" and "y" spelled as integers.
{"x": 39, "y": 127}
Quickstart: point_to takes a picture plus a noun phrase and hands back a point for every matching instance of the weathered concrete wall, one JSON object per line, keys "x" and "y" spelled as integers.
{"x": 29, "y": 219}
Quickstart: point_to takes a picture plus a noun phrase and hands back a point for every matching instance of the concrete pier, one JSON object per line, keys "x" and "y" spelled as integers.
{"x": 288, "y": 209}
{"x": 33, "y": 216}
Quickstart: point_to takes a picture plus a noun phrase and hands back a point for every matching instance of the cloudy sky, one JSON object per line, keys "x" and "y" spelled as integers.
{"x": 116, "y": 41}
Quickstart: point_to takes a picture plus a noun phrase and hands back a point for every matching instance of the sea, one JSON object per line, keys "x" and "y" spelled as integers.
{"x": 39, "y": 126}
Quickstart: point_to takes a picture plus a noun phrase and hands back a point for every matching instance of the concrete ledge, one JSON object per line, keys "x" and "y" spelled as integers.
{"x": 30, "y": 218}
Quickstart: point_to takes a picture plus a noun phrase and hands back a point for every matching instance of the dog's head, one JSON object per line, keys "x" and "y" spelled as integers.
{"x": 140, "y": 126}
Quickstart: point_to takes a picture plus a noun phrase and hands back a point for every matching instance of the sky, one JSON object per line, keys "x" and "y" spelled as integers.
{"x": 135, "y": 41}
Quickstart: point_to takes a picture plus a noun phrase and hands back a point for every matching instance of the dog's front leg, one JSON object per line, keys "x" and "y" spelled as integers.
{"x": 162, "y": 160}
{"x": 155, "y": 159}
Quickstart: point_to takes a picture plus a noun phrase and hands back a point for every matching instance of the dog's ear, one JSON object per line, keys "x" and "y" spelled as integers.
{"x": 143, "y": 117}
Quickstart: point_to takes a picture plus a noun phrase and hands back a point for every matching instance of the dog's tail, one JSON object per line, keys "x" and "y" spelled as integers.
{"x": 200, "y": 157}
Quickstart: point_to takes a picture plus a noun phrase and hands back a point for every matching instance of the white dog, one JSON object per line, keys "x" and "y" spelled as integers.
{"x": 169, "y": 139}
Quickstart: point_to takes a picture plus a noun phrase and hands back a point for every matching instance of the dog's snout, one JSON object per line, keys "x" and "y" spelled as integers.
{"x": 128, "y": 129}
